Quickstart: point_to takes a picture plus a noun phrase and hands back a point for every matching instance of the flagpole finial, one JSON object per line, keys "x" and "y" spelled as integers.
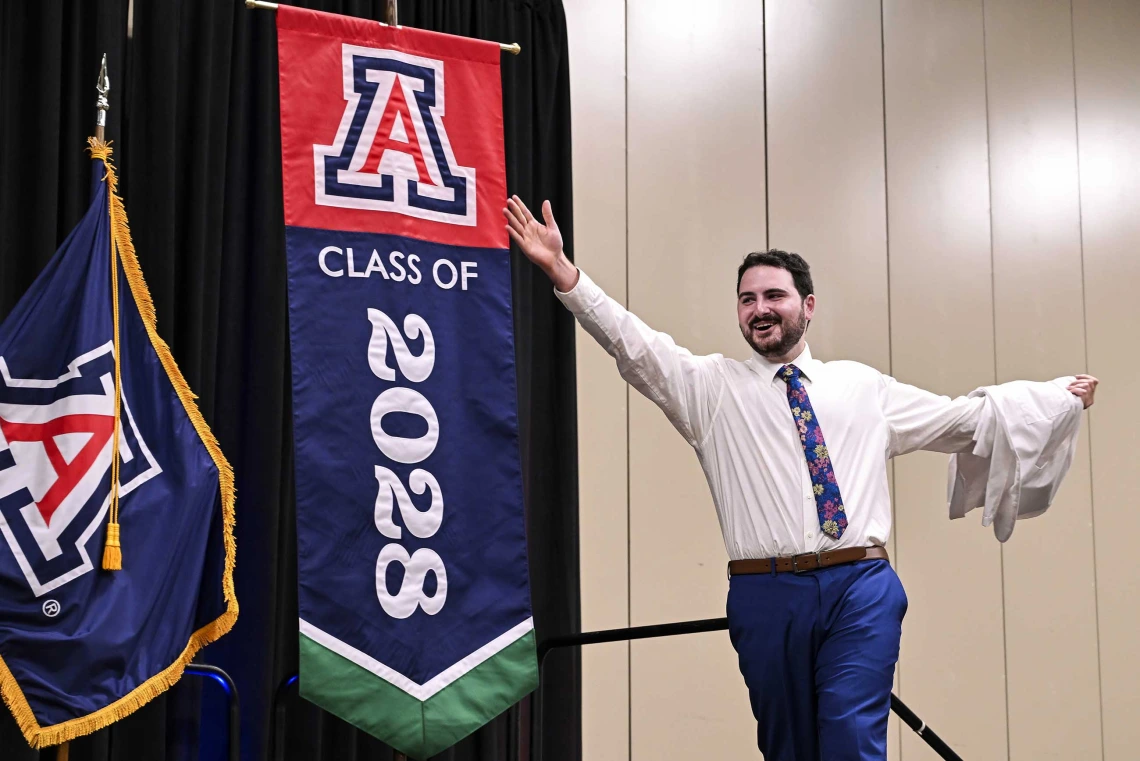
{"x": 103, "y": 86}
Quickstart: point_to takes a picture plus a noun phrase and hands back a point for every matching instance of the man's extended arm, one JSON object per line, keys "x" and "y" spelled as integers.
{"x": 667, "y": 374}
{"x": 919, "y": 419}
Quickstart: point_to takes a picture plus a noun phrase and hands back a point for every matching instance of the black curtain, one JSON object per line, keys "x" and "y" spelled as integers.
{"x": 194, "y": 119}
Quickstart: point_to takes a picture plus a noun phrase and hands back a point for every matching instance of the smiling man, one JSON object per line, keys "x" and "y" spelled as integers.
{"x": 774, "y": 302}
{"x": 795, "y": 453}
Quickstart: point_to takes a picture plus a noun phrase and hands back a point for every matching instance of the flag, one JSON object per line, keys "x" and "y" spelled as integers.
{"x": 105, "y": 593}
{"x": 415, "y": 618}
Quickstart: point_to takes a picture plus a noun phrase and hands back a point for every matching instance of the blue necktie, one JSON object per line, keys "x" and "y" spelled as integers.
{"x": 828, "y": 502}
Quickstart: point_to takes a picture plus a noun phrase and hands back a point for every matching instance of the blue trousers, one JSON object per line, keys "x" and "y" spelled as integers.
{"x": 818, "y": 652}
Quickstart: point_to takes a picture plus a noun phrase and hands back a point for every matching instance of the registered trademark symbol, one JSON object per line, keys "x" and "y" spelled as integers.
{"x": 51, "y": 608}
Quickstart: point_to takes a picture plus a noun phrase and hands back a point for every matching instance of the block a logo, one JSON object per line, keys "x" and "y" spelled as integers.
{"x": 391, "y": 151}
{"x": 55, "y": 463}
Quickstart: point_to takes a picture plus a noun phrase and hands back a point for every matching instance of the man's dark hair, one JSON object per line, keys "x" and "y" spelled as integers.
{"x": 793, "y": 263}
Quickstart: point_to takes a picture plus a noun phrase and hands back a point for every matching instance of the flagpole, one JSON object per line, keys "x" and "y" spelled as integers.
{"x": 514, "y": 48}
{"x": 102, "y": 105}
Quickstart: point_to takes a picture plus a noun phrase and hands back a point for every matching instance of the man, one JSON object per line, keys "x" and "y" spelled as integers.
{"x": 795, "y": 453}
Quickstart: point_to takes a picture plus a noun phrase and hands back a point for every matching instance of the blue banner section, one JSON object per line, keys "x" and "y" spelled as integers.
{"x": 409, "y": 494}
{"x": 77, "y": 641}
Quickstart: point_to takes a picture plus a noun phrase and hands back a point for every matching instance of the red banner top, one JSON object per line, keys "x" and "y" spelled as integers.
{"x": 390, "y": 130}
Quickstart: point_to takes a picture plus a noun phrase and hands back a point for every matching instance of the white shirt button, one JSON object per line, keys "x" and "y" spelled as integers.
{"x": 810, "y": 535}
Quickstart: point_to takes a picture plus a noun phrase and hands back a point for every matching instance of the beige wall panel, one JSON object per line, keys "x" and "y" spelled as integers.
{"x": 603, "y": 550}
{"x": 696, "y": 206}
{"x": 826, "y": 194}
{"x": 605, "y": 702}
{"x": 1050, "y": 606}
{"x": 596, "y": 36}
{"x": 700, "y": 706}
{"x": 596, "y": 32}
{"x": 1108, "y": 111}
{"x": 940, "y": 278}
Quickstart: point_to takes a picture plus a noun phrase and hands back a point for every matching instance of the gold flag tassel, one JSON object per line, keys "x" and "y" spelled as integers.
{"x": 112, "y": 547}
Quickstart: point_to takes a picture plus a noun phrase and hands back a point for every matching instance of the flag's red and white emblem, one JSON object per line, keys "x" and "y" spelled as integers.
{"x": 55, "y": 459}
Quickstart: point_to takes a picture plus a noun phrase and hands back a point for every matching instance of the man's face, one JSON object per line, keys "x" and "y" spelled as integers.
{"x": 771, "y": 314}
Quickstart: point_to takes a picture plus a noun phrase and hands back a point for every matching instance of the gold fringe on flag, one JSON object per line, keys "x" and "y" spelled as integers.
{"x": 42, "y": 737}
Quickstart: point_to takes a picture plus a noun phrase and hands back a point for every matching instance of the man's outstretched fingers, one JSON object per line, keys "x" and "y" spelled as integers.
{"x": 516, "y": 210}
{"x": 513, "y": 222}
{"x": 515, "y": 205}
{"x": 548, "y": 215}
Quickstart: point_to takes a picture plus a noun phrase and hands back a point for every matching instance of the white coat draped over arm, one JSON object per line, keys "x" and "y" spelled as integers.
{"x": 1011, "y": 444}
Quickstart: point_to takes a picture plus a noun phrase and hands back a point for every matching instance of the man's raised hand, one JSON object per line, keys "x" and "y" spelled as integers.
{"x": 541, "y": 243}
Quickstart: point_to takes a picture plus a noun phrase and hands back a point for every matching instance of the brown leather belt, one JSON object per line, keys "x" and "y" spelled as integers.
{"x": 807, "y": 562}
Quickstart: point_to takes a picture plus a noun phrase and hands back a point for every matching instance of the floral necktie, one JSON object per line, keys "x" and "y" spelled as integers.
{"x": 828, "y": 502}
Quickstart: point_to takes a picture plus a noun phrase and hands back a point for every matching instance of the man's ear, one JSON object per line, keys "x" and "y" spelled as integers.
{"x": 809, "y": 306}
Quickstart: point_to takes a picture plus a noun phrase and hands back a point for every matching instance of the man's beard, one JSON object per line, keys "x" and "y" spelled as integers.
{"x": 790, "y": 334}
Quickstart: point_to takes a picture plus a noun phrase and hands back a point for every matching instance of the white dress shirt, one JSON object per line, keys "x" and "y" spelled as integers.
{"x": 736, "y": 417}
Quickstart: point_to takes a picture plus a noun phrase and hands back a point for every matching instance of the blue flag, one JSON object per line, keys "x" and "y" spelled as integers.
{"x": 105, "y": 593}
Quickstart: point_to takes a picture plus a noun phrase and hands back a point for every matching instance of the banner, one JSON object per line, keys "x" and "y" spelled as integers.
{"x": 413, "y": 585}
{"x": 89, "y": 397}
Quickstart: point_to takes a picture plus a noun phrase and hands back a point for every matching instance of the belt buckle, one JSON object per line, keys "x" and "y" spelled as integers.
{"x": 795, "y": 562}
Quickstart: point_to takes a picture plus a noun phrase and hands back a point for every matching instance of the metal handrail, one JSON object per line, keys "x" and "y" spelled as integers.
{"x": 633, "y": 632}
{"x": 233, "y": 702}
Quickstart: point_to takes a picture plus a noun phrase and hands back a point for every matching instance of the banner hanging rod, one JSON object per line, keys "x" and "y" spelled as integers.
{"x": 514, "y": 48}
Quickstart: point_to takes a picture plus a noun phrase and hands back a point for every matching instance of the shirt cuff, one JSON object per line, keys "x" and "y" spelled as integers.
{"x": 583, "y": 296}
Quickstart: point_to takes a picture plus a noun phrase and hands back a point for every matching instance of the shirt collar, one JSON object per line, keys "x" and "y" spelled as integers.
{"x": 767, "y": 369}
